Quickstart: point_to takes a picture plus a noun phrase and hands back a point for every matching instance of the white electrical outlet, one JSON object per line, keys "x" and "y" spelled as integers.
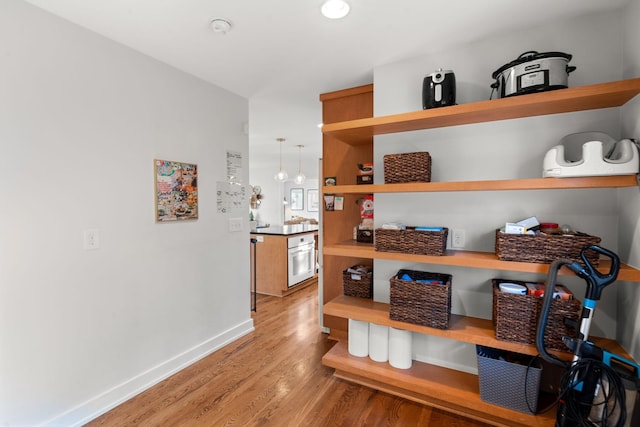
{"x": 235, "y": 224}
{"x": 91, "y": 239}
{"x": 457, "y": 238}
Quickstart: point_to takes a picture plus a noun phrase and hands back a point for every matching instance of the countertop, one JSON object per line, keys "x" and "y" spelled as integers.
{"x": 286, "y": 230}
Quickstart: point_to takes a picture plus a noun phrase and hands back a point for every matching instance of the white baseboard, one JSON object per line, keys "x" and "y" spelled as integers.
{"x": 113, "y": 397}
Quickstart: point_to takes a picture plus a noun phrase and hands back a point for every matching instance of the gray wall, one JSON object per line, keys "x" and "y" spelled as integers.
{"x": 628, "y": 332}
{"x": 502, "y": 150}
{"x": 81, "y": 120}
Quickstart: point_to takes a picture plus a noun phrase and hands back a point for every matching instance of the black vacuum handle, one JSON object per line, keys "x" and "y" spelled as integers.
{"x": 544, "y": 311}
{"x": 596, "y": 281}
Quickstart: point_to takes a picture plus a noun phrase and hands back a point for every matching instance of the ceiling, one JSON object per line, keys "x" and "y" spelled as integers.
{"x": 281, "y": 54}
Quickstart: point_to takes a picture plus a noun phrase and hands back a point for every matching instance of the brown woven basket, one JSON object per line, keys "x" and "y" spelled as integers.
{"x": 515, "y": 317}
{"x": 545, "y": 248}
{"x": 411, "y": 241}
{"x": 357, "y": 285}
{"x": 420, "y": 303}
{"x": 407, "y": 167}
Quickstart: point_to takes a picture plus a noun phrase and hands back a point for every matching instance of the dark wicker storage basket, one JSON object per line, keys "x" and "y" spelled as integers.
{"x": 545, "y": 248}
{"x": 411, "y": 241}
{"x": 407, "y": 167}
{"x": 357, "y": 285}
{"x": 421, "y": 303}
{"x": 515, "y": 317}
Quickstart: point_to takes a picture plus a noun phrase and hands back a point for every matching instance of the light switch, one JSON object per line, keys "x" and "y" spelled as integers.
{"x": 91, "y": 239}
{"x": 235, "y": 224}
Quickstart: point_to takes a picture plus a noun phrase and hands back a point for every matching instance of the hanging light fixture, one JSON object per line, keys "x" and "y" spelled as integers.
{"x": 282, "y": 174}
{"x": 300, "y": 178}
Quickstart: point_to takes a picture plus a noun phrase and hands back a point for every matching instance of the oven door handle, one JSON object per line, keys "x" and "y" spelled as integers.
{"x": 301, "y": 248}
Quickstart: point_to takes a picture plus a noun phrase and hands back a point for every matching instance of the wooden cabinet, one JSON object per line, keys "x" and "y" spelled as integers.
{"x": 271, "y": 265}
{"x": 340, "y": 159}
{"x": 347, "y": 140}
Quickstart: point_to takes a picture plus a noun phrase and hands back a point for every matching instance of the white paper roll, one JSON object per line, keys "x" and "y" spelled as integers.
{"x": 400, "y": 348}
{"x": 358, "y": 338}
{"x": 378, "y": 342}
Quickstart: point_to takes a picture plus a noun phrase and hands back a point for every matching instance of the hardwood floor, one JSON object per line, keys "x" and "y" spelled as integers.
{"x": 272, "y": 377}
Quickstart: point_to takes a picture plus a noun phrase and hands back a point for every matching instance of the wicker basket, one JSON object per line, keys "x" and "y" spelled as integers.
{"x": 545, "y": 248}
{"x": 357, "y": 285}
{"x": 411, "y": 241}
{"x": 515, "y": 317}
{"x": 407, "y": 167}
{"x": 420, "y": 303}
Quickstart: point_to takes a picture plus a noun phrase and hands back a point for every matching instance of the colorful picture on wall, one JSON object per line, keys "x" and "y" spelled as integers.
{"x": 176, "y": 186}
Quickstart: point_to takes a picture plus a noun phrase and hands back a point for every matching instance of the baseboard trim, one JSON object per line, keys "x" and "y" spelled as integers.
{"x": 113, "y": 397}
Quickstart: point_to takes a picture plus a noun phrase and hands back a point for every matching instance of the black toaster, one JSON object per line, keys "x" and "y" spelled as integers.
{"x": 439, "y": 89}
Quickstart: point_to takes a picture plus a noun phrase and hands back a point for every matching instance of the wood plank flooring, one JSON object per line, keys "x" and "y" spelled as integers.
{"x": 273, "y": 377}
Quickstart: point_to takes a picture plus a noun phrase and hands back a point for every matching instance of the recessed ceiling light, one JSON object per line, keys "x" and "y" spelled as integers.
{"x": 220, "y": 25}
{"x": 335, "y": 9}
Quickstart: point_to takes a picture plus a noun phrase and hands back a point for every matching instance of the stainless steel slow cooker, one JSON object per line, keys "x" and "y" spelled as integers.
{"x": 533, "y": 72}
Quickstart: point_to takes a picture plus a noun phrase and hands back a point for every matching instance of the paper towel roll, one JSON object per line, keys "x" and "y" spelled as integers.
{"x": 400, "y": 347}
{"x": 358, "y": 338}
{"x": 378, "y": 342}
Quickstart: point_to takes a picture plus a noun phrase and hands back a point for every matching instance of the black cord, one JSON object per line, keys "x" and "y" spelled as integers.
{"x": 526, "y": 382}
{"x": 526, "y": 396}
{"x": 612, "y": 406}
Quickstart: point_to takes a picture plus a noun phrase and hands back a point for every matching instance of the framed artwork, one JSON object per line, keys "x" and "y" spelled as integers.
{"x": 297, "y": 199}
{"x": 176, "y": 188}
{"x": 312, "y": 200}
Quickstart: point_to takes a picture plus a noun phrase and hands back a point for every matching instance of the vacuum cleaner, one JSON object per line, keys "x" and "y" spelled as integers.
{"x": 598, "y": 388}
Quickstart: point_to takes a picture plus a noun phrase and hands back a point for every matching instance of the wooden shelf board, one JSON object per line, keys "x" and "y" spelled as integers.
{"x": 444, "y": 388}
{"x": 604, "y": 95}
{"x": 618, "y": 181}
{"x": 461, "y": 328}
{"x": 470, "y": 259}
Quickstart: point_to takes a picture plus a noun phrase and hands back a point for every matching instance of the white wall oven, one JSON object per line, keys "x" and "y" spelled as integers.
{"x": 301, "y": 258}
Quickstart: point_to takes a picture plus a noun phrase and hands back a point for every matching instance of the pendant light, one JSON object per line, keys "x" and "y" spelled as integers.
{"x": 282, "y": 174}
{"x": 300, "y": 178}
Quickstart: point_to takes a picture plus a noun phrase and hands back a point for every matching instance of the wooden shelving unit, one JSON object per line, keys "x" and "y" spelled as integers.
{"x": 619, "y": 181}
{"x": 461, "y": 328}
{"x": 434, "y": 385}
{"x": 348, "y": 133}
{"x": 471, "y": 259}
{"x": 431, "y": 385}
{"x": 592, "y": 97}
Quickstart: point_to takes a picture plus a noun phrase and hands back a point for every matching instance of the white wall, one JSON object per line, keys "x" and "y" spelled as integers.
{"x": 309, "y": 184}
{"x": 81, "y": 120}
{"x": 498, "y": 150}
{"x": 629, "y": 294}
{"x": 271, "y": 210}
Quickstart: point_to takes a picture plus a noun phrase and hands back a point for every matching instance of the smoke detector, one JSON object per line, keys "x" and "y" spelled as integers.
{"x": 220, "y": 25}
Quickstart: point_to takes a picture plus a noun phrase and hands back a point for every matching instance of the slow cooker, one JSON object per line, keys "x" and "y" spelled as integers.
{"x": 533, "y": 72}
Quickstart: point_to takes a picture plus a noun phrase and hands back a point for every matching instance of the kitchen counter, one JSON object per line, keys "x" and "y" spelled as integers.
{"x": 286, "y": 230}
{"x": 271, "y": 257}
